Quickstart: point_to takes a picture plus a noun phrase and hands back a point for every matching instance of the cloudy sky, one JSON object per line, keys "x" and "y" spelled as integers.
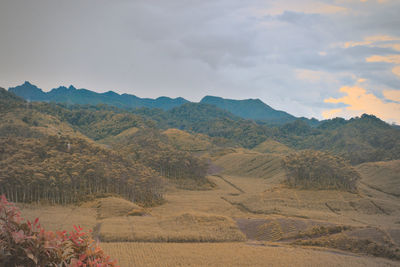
{"x": 313, "y": 58}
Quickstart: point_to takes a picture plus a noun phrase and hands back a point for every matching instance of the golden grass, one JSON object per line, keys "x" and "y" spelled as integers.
{"x": 231, "y": 254}
{"x": 114, "y": 207}
{"x": 187, "y": 227}
{"x": 329, "y": 205}
{"x": 122, "y": 136}
{"x": 60, "y": 217}
{"x": 45, "y": 124}
{"x": 383, "y": 176}
{"x": 252, "y": 164}
{"x": 272, "y": 146}
{"x": 189, "y": 142}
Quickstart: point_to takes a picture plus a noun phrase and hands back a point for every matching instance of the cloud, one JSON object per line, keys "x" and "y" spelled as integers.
{"x": 289, "y": 53}
{"x": 388, "y": 59}
{"x": 396, "y": 70}
{"x": 393, "y": 95}
{"x": 358, "y": 101}
{"x": 315, "y": 76}
{"x": 376, "y": 41}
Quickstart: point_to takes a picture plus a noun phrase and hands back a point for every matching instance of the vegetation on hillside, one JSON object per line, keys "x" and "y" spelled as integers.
{"x": 151, "y": 148}
{"x": 64, "y": 170}
{"x": 310, "y": 169}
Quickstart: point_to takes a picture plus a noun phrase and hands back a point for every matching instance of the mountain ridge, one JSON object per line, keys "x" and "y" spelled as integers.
{"x": 253, "y": 109}
{"x": 72, "y": 95}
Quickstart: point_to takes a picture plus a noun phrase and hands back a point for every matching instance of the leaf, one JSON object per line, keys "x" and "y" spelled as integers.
{"x": 32, "y": 257}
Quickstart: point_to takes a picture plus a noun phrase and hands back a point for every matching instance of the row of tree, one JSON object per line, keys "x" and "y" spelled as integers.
{"x": 64, "y": 170}
{"x": 309, "y": 169}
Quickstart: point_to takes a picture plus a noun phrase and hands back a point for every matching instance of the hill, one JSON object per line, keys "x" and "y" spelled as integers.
{"x": 71, "y": 95}
{"x": 272, "y": 146}
{"x": 225, "y": 128}
{"x": 253, "y": 109}
{"x": 383, "y": 176}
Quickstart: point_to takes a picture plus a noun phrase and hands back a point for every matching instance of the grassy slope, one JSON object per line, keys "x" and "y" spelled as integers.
{"x": 383, "y": 176}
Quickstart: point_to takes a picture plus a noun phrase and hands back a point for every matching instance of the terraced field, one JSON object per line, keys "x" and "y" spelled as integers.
{"x": 233, "y": 254}
{"x": 267, "y": 222}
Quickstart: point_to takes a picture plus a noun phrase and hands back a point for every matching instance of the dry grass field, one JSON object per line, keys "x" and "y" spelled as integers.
{"x": 272, "y": 146}
{"x": 189, "y": 142}
{"x": 187, "y": 227}
{"x": 232, "y": 254}
{"x": 383, "y": 176}
{"x": 281, "y": 226}
{"x": 247, "y": 163}
{"x": 61, "y": 217}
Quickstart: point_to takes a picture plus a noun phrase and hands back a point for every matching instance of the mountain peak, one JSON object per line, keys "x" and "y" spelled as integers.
{"x": 27, "y": 83}
{"x": 254, "y": 109}
{"x": 28, "y": 91}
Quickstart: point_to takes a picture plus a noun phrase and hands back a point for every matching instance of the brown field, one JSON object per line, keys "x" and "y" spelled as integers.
{"x": 232, "y": 254}
{"x": 187, "y": 227}
{"x": 248, "y": 204}
{"x": 60, "y": 217}
{"x": 382, "y": 176}
{"x": 247, "y": 163}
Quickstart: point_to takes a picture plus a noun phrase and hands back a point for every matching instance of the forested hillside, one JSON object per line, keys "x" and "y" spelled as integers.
{"x": 49, "y": 153}
{"x": 253, "y": 109}
{"x": 360, "y": 139}
{"x": 61, "y": 153}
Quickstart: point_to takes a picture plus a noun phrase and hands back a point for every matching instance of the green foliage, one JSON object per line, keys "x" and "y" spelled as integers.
{"x": 65, "y": 169}
{"x": 96, "y": 122}
{"x": 151, "y": 148}
{"x": 9, "y": 101}
{"x": 358, "y": 140}
{"x": 310, "y": 169}
{"x": 23, "y": 243}
{"x": 221, "y": 125}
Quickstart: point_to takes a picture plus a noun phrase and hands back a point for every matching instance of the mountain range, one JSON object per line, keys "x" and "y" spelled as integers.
{"x": 253, "y": 109}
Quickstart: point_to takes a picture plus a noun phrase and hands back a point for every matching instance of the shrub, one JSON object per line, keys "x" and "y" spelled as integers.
{"x": 23, "y": 243}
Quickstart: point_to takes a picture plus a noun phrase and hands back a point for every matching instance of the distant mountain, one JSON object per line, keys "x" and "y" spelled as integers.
{"x": 253, "y": 109}
{"x": 71, "y": 95}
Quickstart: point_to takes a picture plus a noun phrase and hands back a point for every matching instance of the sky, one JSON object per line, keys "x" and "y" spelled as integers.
{"x": 312, "y": 58}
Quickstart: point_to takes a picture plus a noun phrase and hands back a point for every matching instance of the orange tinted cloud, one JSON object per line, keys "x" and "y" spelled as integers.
{"x": 358, "y": 101}
{"x": 388, "y": 59}
{"x": 396, "y": 70}
{"x": 372, "y": 40}
{"x": 393, "y": 95}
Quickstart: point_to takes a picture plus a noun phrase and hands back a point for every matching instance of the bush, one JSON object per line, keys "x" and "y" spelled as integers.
{"x": 23, "y": 243}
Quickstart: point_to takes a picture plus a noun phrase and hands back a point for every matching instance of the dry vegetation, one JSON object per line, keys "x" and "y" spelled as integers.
{"x": 114, "y": 207}
{"x": 383, "y": 176}
{"x": 251, "y": 164}
{"x": 187, "y": 227}
{"x": 188, "y": 142}
{"x": 59, "y": 217}
{"x": 253, "y": 205}
{"x": 231, "y": 254}
{"x": 272, "y": 146}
